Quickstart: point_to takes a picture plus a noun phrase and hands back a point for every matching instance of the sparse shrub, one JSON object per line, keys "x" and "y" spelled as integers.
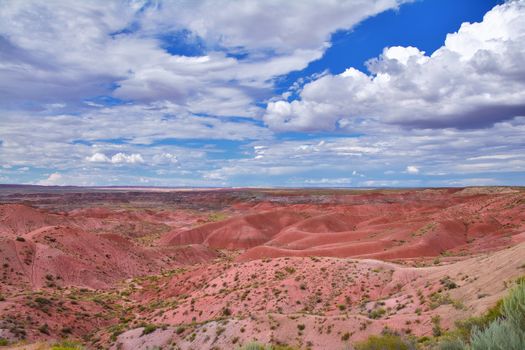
{"x": 42, "y": 301}
{"x": 501, "y": 327}
{"x": 214, "y": 217}
{"x": 20, "y": 239}
{"x": 436, "y": 325}
{"x": 513, "y": 307}
{"x": 377, "y": 313}
{"x": 290, "y": 269}
{"x": 44, "y": 329}
{"x": 465, "y": 327}
{"x": 67, "y": 345}
{"x": 452, "y": 344}
{"x": 259, "y": 346}
{"x": 255, "y": 346}
{"x": 437, "y": 299}
{"x": 500, "y": 334}
{"x": 4, "y": 342}
{"x": 448, "y": 283}
{"x": 219, "y": 331}
{"x": 149, "y": 328}
{"x": 116, "y": 330}
{"x": 383, "y": 342}
{"x": 507, "y": 332}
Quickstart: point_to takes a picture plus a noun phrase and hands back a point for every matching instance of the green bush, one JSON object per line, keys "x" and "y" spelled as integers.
{"x": 452, "y": 344}
{"x": 500, "y": 328}
{"x": 43, "y": 301}
{"x": 464, "y": 328}
{"x": 67, "y": 345}
{"x": 259, "y": 346}
{"x": 255, "y": 346}
{"x": 513, "y": 308}
{"x": 507, "y": 332}
{"x": 149, "y": 328}
{"x": 500, "y": 335}
{"x": 436, "y": 325}
{"x": 383, "y": 342}
{"x": 377, "y": 313}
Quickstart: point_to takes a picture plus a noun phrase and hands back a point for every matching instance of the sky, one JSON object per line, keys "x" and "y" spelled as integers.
{"x": 314, "y": 93}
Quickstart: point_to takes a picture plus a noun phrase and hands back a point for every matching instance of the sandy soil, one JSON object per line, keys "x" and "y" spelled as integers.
{"x": 214, "y": 269}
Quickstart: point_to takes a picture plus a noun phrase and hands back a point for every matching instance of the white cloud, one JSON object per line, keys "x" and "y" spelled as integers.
{"x": 495, "y": 156}
{"x": 473, "y": 182}
{"x": 411, "y": 169}
{"x": 98, "y": 158}
{"x": 117, "y": 158}
{"x": 473, "y": 81}
{"x": 258, "y": 25}
{"x": 52, "y": 180}
{"x": 388, "y": 148}
{"x": 127, "y": 158}
{"x": 165, "y": 158}
{"x": 329, "y": 181}
{"x": 57, "y": 52}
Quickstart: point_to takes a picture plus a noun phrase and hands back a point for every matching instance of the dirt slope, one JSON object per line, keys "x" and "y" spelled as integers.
{"x": 272, "y": 300}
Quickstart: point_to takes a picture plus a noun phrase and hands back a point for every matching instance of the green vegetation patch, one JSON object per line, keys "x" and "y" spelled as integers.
{"x": 501, "y": 327}
{"x": 383, "y": 342}
{"x": 67, "y": 345}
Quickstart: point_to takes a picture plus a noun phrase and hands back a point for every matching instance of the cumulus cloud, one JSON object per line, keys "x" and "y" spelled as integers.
{"x": 136, "y": 124}
{"x": 98, "y": 158}
{"x": 133, "y": 158}
{"x": 52, "y": 180}
{"x": 260, "y": 25}
{"x": 177, "y": 112}
{"x": 474, "y": 80}
{"x": 117, "y": 158}
{"x": 382, "y": 156}
{"x": 340, "y": 181}
{"x": 412, "y": 169}
{"x": 165, "y": 158}
{"x": 127, "y": 158}
{"x": 47, "y": 57}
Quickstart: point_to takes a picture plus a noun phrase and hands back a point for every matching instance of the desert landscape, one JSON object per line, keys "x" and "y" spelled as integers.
{"x": 262, "y": 175}
{"x": 126, "y": 268}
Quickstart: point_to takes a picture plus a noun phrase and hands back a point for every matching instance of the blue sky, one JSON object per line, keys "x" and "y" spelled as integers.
{"x": 222, "y": 93}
